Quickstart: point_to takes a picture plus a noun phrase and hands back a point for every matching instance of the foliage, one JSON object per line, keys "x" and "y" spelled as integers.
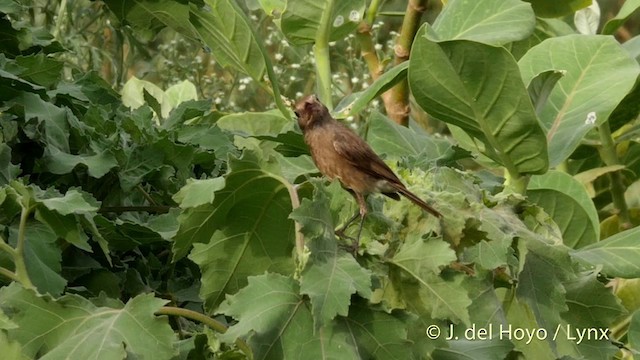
{"x": 139, "y": 221}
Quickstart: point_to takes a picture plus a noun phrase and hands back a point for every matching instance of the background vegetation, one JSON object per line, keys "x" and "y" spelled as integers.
{"x": 157, "y": 200}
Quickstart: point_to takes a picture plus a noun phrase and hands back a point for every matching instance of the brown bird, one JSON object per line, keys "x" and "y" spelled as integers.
{"x": 341, "y": 154}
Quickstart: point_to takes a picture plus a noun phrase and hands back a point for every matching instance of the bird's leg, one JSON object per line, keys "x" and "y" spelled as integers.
{"x": 362, "y": 212}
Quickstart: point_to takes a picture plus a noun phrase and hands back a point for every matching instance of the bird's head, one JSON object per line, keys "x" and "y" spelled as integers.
{"x": 311, "y": 112}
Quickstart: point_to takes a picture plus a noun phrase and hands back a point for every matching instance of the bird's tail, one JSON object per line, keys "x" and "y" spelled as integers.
{"x": 416, "y": 200}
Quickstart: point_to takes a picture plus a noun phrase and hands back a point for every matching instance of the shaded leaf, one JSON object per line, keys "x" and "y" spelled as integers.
{"x": 567, "y": 202}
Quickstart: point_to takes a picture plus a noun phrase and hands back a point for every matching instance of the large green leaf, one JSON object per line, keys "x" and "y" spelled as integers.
{"x": 301, "y": 19}
{"x": 478, "y": 88}
{"x": 225, "y": 29}
{"x": 420, "y": 260}
{"x": 591, "y": 304}
{"x": 599, "y": 73}
{"x": 72, "y": 327}
{"x": 618, "y": 255}
{"x": 493, "y": 22}
{"x": 245, "y": 231}
{"x": 566, "y": 200}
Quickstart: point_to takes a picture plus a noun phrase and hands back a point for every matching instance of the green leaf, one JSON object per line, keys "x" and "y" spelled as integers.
{"x": 634, "y": 331}
{"x": 552, "y": 8}
{"x": 225, "y": 29}
{"x": 356, "y": 102}
{"x": 8, "y": 171}
{"x": 599, "y": 73}
{"x": 73, "y": 202}
{"x": 377, "y": 334}
{"x": 60, "y": 163}
{"x": 493, "y": 22}
{"x": 396, "y": 141}
{"x": 540, "y": 87}
{"x": 330, "y": 284}
{"x": 331, "y": 276}
{"x": 40, "y": 69}
{"x": 421, "y": 260}
{"x": 617, "y": 254}
{"x": 301, "y": 20}
{"x": 569, "y": 205}
{"x": 465, "y": 349}
{"x": 422, "y": 256}
{"x": 454, "y": 82}
{"x": 629, "y": 7}
{"x": 198, "y": 192}
{"x": 66, "y": 227}
{"x": 255, "y": 124}
{"x": 539, "y": 287}
{"x": 151, "y": 16}
{"x": 42, "y": 257}
{"x": 246, "y": 231}
{"x": 591, "y": 304}
{"x": 72, "y": 327}
{"x": 266, "y": 303}
{"x": 55, "y": 129}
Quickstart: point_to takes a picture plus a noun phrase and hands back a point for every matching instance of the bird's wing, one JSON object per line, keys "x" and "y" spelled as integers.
{"x": 360, "y": 155}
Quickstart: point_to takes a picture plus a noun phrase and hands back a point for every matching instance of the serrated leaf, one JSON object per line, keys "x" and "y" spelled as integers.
{"x": 591, "y": 304}
{"x": 8, "y": 171}
{"x": 65, "y": 226}
{"x": 567, "y": 202}
{"x": 377, "y": 335}
{"x": 72, "y": 327}
{"x": 40, "y": 69}
{"x": 330, "y": 284}
{"x": 580, "y": 101}
{"x": 59, "y": 162}
{"x": 198, "y": 192}
{"x": 266, "y": 303}
{"x": 485, "y": 21}
{"x": 420, "y": 256}
{"x": 450, "y": 80}
{"x": 540, "y": 288}
{"x": 246, "y": 231}
{"x": 73, "y": 202}
{"x": 255, "y": 123}
{"x": 617, "y": 254}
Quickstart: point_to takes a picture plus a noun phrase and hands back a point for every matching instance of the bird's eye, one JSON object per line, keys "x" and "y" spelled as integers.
{"x": 297, "y": 114}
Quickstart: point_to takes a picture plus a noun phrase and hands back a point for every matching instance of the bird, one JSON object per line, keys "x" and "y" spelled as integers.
{"x": 339, "y": 153}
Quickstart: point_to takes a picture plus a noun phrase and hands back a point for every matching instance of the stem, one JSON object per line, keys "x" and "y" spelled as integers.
{"x": 21, "y": 267}
{"x": 146, "y": 195}
{"x": 372, "y": 11}
{"x": 7, "y": 248}
{"x": 619, "y": 329}
{"x": 610, "y": 157}
{"x": 399, "y": 110}
{"x": 321, "y": 53}
{"x": 9, "y": 274}
{"x": 58, "y": 28}
{"x": 121, "y": 209}
{"x": 204, "y": 319}
{"x": 514, "y": 182}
